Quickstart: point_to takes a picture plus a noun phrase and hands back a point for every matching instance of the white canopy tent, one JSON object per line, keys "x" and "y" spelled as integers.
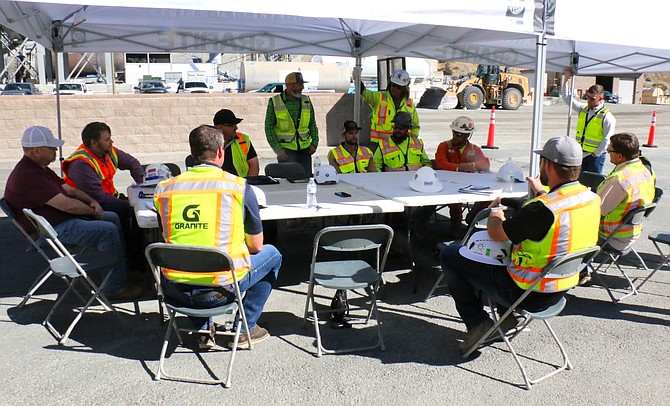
{"x": 523, "y": 33}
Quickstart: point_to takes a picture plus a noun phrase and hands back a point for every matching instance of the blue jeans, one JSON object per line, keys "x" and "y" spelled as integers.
{"x": 103, "y": 235}
{"x": 256, "y": 286}
{"x": 593, "y": 164}
{"x": 465, "y": 277}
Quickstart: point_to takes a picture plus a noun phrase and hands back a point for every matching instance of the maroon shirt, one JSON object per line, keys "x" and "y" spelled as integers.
{"x": 31, "y": 186}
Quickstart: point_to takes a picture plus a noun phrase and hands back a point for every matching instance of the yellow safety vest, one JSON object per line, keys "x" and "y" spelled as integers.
{"x": 590, "y": 133}
{"x": 205, "y": 207}
{"x": 638, "y": 183}
{"x": 240, "y": 150}
{"x": 393, "y": 158}
{"x": 285, "y": 127}
{"x": 383, "y": 111}
{"x": 349, "y": 163}
{"x": 576, "y": 213}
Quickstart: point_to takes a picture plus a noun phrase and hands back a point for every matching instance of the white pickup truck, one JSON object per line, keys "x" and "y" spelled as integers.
{"x": 70, "y": 88}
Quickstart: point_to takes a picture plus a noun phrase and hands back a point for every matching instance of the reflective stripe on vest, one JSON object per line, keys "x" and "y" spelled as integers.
{"x": 381, "y": 126}
{"x": 240, "y": 150}
{"x": 347, "y": 162}
{"x": 636, "y": 180}
{"x": 393, "y": 158}
{"x": 576, "y": 213}
{"x": 104, "y": 169}
{"x": 285, "y": 127}
{"x": 205, "y": 207}
{"x": 590, "y": 134}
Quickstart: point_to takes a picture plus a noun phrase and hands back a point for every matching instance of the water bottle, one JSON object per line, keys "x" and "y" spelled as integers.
{"x": 509, "y": 184}
{"x": 317, "y": 163}
{"x": 311, "y": 194}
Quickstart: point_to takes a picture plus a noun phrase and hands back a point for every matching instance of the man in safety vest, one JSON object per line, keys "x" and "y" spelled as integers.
{"x": 460, "y": 155}
{"x": 91, "y": 169}
{"x": 595, "y": 124}
{"x": 349, "y": 156}
{"x": 401, "y": 152}
{"x": 290, "y": 125}
{"x": 386, "y": 104}
{"x": 241, "y": 158}
{"x": 207, "y": 206}
{"x": 560, "y": 221}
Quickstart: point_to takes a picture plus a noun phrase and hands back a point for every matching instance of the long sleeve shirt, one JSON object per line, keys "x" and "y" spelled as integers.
{"x": 609, "y": 122}
{"x": 293, "y": 107}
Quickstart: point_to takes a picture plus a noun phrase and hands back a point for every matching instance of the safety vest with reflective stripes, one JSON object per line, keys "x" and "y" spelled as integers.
{"x": 105, "y": 169}
{"x": 348, "y": 163}
{"x": 590, "y": 133}
{"x": 638, "y": 183}
{"x": 285, "y": 127}
{"x": 383, "y": 111}
{"x": 576, "y": 213}
{"x": 240, "y": 150}
{"x": 393, "y": 158}
{"x": 204, "y": 207}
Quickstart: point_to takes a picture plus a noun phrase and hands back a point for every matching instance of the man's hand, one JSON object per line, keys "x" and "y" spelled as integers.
{"x": 356, "y": 73}
{"x": 312, "y": 149}
{"x": 535, "y": 184}
{"x": 496, "y": 202}
{"x": 497, "y": 214}
{"x": 467, "y": 167}
{"x": 97, "y": 209}
{"x": 567, "y": 74}
{"x": 281, "y": 155}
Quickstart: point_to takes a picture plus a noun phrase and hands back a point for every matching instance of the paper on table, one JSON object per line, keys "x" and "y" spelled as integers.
{"x": 480, "y": 190}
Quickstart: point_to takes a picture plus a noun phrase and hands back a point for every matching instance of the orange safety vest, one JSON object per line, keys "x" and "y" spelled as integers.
{"x": 105, "y": 169}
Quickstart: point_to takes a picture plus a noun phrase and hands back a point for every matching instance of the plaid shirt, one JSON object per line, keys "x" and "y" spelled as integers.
{"x": 293, "y": 107}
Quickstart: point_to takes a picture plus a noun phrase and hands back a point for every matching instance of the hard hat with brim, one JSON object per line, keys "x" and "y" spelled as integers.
{"x": 425, "y": 181}
{"x": 481, "y": 248}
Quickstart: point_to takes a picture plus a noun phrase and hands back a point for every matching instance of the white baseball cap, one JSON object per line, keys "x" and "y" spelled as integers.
{"x": 38, "y": 136}
{"x": 425, "y": 181}
{"x": 481, "y": 248}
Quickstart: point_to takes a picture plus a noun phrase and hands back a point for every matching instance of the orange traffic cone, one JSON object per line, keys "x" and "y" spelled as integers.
{"x": 652, "y": 132}
{"x": 492, "y": 130}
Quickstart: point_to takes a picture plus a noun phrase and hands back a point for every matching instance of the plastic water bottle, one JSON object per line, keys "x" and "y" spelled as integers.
{"x": 311, "y": 194}
{"x": 316, "y": 164}
{"x": 509, "y": 184}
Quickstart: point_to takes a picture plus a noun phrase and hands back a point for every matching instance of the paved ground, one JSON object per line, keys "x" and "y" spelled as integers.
{"x": 620, "y": 352}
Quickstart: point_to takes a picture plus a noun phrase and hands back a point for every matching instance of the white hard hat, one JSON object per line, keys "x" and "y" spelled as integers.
{"x": 325, "y": 174}
{"x": 155, "y": 173}
{"x": 400, "y": 77}
{"x": 510, "y": 169}
{"x": 260, "y": 196}
{"x": 481, "y": 248}
{"x": 425, "y": 181}
{"x": 463, "y": 125}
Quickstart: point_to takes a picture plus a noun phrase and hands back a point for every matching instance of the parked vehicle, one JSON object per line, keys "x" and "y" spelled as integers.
{"x": 71, "y": 88}
{"x": 273, "y": 87}
{"x": 608, "y": 96}
{"x": 152, "y": 87}
{"x": 196, "y": 87}
{"x": 20, "y": 88}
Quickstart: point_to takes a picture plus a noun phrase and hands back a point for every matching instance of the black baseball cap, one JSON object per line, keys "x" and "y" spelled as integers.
{"x": 225, "y": 116}
{"x": 350, "y": 125}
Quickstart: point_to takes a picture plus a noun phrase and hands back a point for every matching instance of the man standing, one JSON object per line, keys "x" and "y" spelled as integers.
{"x": 460, "y": 155}
{"x": 386, "y": 104}
{"x": 290, "y": 125}
{"x": 75, "y": 215}
{"x": 241, "y": 158}
{"x": 349, "y": 156}
{"x": 401, "y": 152}
{"x": 595, "y": 124}
{"x": 630, "y": 185}
{"x": 91, "y": 169}
{"x": 557, "y": 222}
{"x": 226, "y": 211}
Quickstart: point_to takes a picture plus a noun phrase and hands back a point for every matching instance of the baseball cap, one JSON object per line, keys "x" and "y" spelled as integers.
{"x": 350, "y": 125}
{"x": 225, "y": 116}
{"x": 294, "y": 77}
{"x": 38, "y": 136}
{"x": 561, "y": 150}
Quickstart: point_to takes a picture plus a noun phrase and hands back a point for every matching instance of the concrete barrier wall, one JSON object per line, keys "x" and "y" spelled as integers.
{"x": 158, "y": 123}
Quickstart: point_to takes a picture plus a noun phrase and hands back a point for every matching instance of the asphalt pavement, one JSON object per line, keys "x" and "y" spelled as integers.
{"x": 620, "y": 352}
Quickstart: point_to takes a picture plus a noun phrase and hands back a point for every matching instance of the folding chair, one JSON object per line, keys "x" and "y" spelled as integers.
{"x": 195, "y": 259}
{"x": 657, "y": 238}
{"x": 287, "y": 170}
{"x": 47, "y": 272}
{"x": 632, "y": 218}
{"x": 658, "y": 193}
{"x": 591, "y": 179}
{"x": 560, "y": 267}
{"x": 345, "y": 273}
{"x": 76, "y": 269}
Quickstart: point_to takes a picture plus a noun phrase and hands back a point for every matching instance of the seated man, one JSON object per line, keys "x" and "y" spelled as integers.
{"x": 459, "y": 154}
{"x": 628, "y": 186}
{"x": 73, "y": 214}
{"x": 241, "y": 158}
{"x": 201, "y": 194}
{"x": 401, "y": 152}
{"x": 349, "y": 156}
{"x": 561, "y": 221}
{"x": 91, "y": 169}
